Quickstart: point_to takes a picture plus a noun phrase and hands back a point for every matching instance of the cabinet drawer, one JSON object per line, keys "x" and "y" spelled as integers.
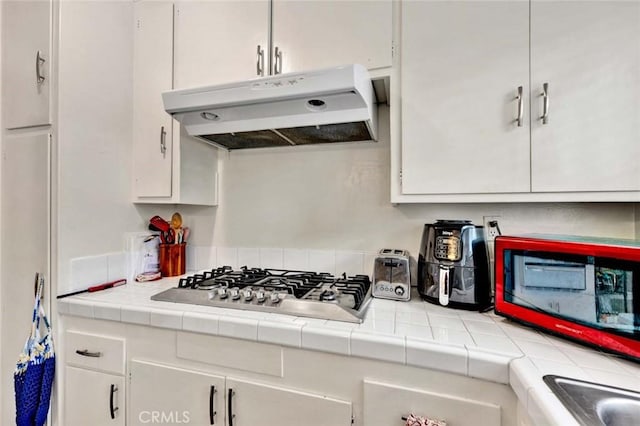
{"x": 385, "y": 404}
{"x": 97, "y": 352}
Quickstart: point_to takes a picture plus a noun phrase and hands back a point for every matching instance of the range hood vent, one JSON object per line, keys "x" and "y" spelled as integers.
{"x": 325, "y": 106}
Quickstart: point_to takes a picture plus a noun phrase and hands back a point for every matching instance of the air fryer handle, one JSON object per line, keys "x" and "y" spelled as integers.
{"x": 444, "y": 286}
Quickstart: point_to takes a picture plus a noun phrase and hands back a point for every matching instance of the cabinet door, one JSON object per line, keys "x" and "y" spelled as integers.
{"x": 589, "y": 54}
{"x": 93, "y": 398}
{"x": 253, "y": 404}
{"x": 174, "y": 396}
{"x": 24, "y": 244}
{"x": 386, "y": 404}
{"x": 26, "y": 62}
{"x": 152, "y": 74}
{"x": 318, "y": 34}
{"x": 461, "y": 66}
{"x": 217, "y": 41}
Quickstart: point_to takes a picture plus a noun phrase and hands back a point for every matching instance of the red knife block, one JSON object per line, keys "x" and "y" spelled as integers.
{"x": 173, "y": 259}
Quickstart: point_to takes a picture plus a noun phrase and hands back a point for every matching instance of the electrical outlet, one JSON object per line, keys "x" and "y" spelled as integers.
{"x": 491, "y": 231}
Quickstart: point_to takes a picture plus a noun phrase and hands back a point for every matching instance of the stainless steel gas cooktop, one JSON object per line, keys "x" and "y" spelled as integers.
{"x": 300, "y": 293}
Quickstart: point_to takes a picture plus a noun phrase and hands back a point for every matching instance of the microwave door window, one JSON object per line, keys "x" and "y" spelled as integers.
{"x": 558, "y": 285}
{"x": 614, "y": 298}
{"x": 598, "y": 292}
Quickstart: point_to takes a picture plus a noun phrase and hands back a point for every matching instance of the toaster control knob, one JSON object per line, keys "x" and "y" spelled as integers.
{"x": 399, "y": 291}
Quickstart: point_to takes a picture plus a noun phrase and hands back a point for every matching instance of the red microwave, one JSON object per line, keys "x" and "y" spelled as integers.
{"x": 584, "y": 289}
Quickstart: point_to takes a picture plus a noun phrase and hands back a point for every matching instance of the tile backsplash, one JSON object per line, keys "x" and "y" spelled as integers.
{"x": 92, "y": 270}
{"x": 331, "y": 261}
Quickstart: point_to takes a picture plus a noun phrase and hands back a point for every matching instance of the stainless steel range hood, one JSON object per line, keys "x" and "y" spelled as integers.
{"x": 324, "y": 106}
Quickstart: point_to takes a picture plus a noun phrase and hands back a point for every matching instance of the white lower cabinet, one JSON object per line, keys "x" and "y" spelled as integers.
{"x": 93, "y": 398}
{"x": 386, "y": 404}
{"x": 251, "y": 403}
{"x": 164, "y": 394}
{"x": 184, "y": 378}
{"x": 94, "y": 385}
{"x": 173, "y": 395}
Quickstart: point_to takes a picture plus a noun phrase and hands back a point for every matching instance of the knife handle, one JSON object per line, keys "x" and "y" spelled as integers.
{"x": 107, "y": 285}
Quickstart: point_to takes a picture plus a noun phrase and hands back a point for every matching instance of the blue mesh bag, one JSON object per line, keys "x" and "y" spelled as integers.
{"x": 35, "y": 369}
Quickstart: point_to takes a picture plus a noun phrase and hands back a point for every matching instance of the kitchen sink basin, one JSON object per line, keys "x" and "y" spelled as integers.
{"x": 594, "y": 404}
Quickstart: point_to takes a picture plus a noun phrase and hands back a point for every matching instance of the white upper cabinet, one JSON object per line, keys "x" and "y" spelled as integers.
{"x": 462, "y": 65}
{"x": 218, "y": 41}
{"x": 26, "y": 63}
{"x": 169, "y": 167}
{"x": 318, "y": 34}
{"x": 225, "y": 41}
{"x": 468, "y": 70}
{"x": 153, "y": 74}
{"x": 589, "y": 55}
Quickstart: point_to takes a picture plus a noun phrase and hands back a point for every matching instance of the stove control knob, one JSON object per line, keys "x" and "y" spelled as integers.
{"x": 222, "y": 292}
{"x": 399, "y": 291}
{"x": 235, "y": 293}
{"x": 260, "y": 297}
{"x": 275, "y": 298}
{"x": 247, "y": 294}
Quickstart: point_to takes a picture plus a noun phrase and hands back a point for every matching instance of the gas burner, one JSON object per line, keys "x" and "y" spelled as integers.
{"x": 301, "y": 293}
{"x": 328, "y": 295}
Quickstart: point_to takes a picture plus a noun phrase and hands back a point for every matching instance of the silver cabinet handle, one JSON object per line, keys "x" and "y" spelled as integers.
{"x": 545, "y": 103}
{"x": 260, "y": 62}
{"x": 520, "y": 99}
{"x": 112, "y": 407}
{"x": 85, "y": 352}
{"x": 277, "y": 69}
{"x": 163, "y": 141}
{"x": 39, "y": 61}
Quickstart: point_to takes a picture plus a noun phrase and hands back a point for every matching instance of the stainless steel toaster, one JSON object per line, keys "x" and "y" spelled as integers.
{"x": 391, "y": 275}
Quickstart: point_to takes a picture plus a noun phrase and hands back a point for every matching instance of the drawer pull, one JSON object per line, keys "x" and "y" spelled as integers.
{"x": 545, "y": 103}
{"x": 277, "y": 68}
{"x": 260, "y": 62}
{"x": 39, "y": 61}
{"x": 112, "y": 409}
{"x": 85, "y": 352}
{"x": 230, "y": 407}
{"x": 520, "y": 100}
{"x": 212, "y": 410}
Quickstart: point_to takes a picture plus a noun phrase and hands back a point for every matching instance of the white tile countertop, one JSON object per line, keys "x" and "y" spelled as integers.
{"x": 415, "y": 333}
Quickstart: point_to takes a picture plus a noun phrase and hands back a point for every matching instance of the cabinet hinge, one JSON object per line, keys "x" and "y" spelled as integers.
{"x": 401, "y": 176}
{"x": 393, "y": 50}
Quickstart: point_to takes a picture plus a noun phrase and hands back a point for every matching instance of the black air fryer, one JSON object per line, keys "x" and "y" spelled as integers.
{"x": 453, "y": 267}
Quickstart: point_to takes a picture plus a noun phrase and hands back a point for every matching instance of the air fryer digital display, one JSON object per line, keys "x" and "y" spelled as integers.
{"x": 448, "y": 248}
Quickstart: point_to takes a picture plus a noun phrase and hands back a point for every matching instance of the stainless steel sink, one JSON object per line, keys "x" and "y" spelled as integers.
{"x": 594, "y": 404}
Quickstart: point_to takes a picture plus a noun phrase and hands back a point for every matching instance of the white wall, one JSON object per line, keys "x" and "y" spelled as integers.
{"x": 325, "y": 197}
{"x": 2, "y": 351}
{"x": 337, "y": 197}
{"x": 94, "y": 131}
